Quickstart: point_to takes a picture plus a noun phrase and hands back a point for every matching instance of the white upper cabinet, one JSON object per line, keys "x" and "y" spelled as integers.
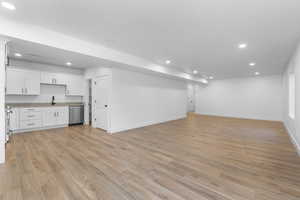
{"x": 22, "y": 82}
{"x": 27, "y": 82}
{"x": 75, "y": 85}
{"x": 53, "y": 78}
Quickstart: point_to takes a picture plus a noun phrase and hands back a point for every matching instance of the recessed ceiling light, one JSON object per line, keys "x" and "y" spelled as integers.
{"x": 257, "y": 73}
{"x": 69, "y": 63}
{"x": 18, "y": 55}
{"x": 168, "y": 62}
{"x": 195, "y": 72}
{"x": 242, "y": 45}
{"x": 8, "y": 5}
{"x": 210, "y": 77}
{"x": 252, "y": 64}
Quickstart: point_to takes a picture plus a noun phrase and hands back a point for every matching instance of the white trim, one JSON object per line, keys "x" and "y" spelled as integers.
{"x": 293, "y": 139}
{"x": 120, "y": 130}
{"x": 236, "y": 117}
{"x": 3, "y": 52}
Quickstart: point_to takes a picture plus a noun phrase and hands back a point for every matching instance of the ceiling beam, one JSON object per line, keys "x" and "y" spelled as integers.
{"x": 58, "y": 40}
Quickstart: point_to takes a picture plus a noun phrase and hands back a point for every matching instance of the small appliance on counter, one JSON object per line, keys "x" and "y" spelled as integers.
{"x": 76, "y": 114}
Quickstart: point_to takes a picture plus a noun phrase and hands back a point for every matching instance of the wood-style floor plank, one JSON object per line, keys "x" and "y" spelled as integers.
{"x": 197, "y": 158}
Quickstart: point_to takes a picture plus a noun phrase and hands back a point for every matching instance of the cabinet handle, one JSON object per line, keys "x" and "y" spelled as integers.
{"x": 22, "y": 90}
{"x": 57, "y": 114}
{"x": 31, "y": 124}
{"x": 30, "y": 115}
{"x": 26, "y": 90}
{"x": 54, "y": 114}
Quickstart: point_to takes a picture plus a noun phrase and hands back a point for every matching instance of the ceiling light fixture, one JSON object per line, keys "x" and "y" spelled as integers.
{"x": 168, "y": 62}
{"x": 210, "y": 77}
{"x": 252, "y": 64}
{"x": 18, "y": 55}
{"x": 195, "y": 72}
{"x": 8, "y": 5}
{"x": 257, "y": 73}
{"x": 69, "y": 63}
{"x": 242, "y": 45}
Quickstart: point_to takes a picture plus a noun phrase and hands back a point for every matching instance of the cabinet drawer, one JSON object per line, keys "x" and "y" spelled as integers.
{"x": 30, "y": 110}
{"x": 30, "y": 124}
{"x": 31, "y": 115}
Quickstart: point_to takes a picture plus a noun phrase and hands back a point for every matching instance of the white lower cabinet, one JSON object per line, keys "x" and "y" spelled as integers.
{"x": 27, "y": 119}
{"x": 29, "y": 124}
{"x": 55, "y": 116}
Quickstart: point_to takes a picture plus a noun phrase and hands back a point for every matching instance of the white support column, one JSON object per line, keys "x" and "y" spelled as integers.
{"x": 2, "y": 98}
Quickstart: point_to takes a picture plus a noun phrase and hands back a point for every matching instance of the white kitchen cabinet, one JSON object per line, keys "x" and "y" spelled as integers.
{"x": 75, "y": 85}
{"x": 30, "y": 124}
{"x": 62, "y": 116}
{"x": 54, "y": 116}
{"x": 14, "y": 119}
{"x": 36, "y": 118}
{"x": 49, "y": 117}
{"x": 22, "y": 82}
{"x": 53, "y": 78}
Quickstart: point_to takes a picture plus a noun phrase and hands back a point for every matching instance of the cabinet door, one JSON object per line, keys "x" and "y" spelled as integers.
{"x": 32, "y": 83}
{"x": 15, "y": 80}
{"x": 49, "y": 117}
{"x": 53, "y": 78}
{"x": 48, "y": 78}
{"x": 75, "y": 86}
{"x": 14, "y": 119}
{"x": 62, "y": 115}
{"x": 61, "y": 79}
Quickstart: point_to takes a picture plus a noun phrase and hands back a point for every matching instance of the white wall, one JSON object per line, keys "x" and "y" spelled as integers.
{"x": 47, "y": 91}
{"x": 254, "y": 98}
{"x": 293, "y": 125}
{"x": 139, "y": 99}
{"x": 2, "y": 100}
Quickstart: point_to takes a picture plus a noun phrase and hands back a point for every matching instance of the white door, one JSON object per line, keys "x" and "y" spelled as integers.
{"x": 191, "y": 98}
{"x": 100, "y": 101}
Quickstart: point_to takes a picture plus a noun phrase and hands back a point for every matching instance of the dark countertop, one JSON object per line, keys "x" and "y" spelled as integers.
{"x": 26, "y": 105}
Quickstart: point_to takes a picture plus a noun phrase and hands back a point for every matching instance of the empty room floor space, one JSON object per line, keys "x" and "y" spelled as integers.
{"x": 200, "y": 157}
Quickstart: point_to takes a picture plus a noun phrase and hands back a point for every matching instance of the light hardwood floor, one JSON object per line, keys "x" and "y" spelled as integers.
{"x": 197, "y": 158}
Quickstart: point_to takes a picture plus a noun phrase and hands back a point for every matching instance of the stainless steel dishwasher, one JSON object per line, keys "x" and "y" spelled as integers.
{"x": 76, "y": 114}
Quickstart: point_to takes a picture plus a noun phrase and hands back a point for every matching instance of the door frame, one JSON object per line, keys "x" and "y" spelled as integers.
{"x": 108, "y": 101}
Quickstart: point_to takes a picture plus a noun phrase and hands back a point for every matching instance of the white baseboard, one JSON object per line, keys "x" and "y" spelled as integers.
{"x": 120, "y": 130}
{"x": 293, "y": 139}
{"x": 238, "y": 117}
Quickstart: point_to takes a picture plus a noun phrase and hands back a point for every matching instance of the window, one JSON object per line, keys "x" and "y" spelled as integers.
{"x": 292, "y": 96}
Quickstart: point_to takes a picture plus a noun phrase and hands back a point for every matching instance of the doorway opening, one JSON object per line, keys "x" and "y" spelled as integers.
{"x": 90, "y": 101}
